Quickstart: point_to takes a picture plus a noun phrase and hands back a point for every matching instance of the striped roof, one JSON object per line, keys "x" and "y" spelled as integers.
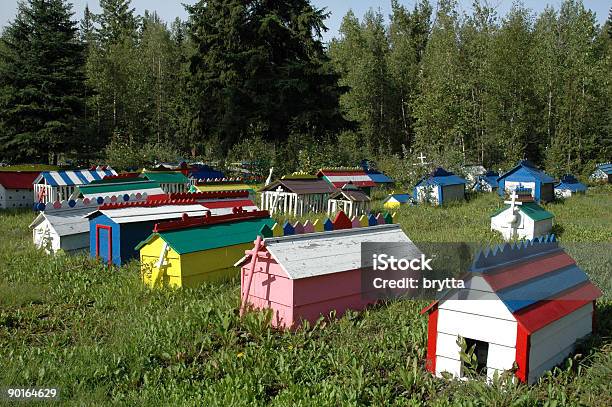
{"x": 72, "y": 178}
{"x": 569, "y": 182}
{"x": 441, "y": 177}
{"x": 537, "y": 281}
{"x": 340, "y": 177}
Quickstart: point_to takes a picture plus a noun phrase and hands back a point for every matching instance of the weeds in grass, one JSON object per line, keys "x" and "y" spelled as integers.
{"x": 102, "y": 337}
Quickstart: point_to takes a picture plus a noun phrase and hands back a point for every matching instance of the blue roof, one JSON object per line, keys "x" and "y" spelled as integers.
{"x": 375, "y": 175}
{"x": 526, "y": 171}
{"x": 205, "y": 172}
{"x": 401, "y": 198}
{"x": 571, "y": 183}
{"x": 71, "y": 178}
{"x": 441, "y": 177}
{"x": 490, "y": 178}
{"x": 606, "y": 168}
{"x": 547, "y": 286}
{"x": 379, "y": 177}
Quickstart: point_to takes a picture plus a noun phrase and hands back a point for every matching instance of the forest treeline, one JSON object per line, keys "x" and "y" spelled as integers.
{"x": 252, "y": 80}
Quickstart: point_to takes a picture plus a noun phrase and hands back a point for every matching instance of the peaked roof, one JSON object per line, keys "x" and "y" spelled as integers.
{"x": 316, "y": 254}
{"x": 301, "y": 186}
{"x": 206, "y": 237}
{"x": 351, "y": 192}
{"x": 141, "y": 213}
{"x": 121, "y": 188}
{"x": 375, "y": 175}
{"x": 166, "y": 177}
{"x": 72, "y": 178}
{"x": 401, "y": 198}
{"x": 571, "y": 183}
{"x": 530, "y": 209}
{"x": 18, "y": 179}
{"x": 205, "y": 172}
{"x": 526, "y": 171}
{"x": 441, "y": 177}
{"x": 341, "y": 176}
{"x": 537, "y": 281}
{"x": 605, "y": 167}
{"x": 68, "y": 222}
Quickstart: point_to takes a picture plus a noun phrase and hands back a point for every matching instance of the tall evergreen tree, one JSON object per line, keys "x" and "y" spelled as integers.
{"x": 361, "y": 58}
{"x": 260, "y": 69}
{"x": 41, "y": 82}
{"x": 408, "y": 35}
{"x": 442, "y": 107}
{"x": 512, "y": 113}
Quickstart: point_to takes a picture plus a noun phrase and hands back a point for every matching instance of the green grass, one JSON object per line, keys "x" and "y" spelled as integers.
{"x": 102, "y": 338}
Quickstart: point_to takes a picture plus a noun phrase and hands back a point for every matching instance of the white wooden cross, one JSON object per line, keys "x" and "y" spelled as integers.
{"x": 276, "y": 199}
{"x": 513, "y": 202}
{"x": 422, "y": 158}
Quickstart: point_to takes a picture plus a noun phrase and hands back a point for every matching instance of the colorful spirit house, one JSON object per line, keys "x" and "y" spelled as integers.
{"x": 486, "y": 182}
{"x": 63, "y": 228}
{"x": 522, "y": 218}
{"x": 338, "y": 177}
{"x": 350, "y": 200}
{"x": 440, "y": 187}
{"x": 116, "y": 229}
{"x": 170, "y": 181}
{"x": 121, "y": 188}
{"x": 16, "y": 190}
{"x": 221, "y": 185}
{"x": 379, "y": 178}
{"x": 394, "y": 201}
{"x": 296, "y": 194}
{"x": 305, "y": 276}
{"x": 53, "y": 186}
{"x": 530, "y": 304}
{"x": 63, "y": 225}
{"x": 527, "y": 175}
{"x": 602, "y": 173}
{"x": 569, "y": 186}
{"x": 187, "y": 252}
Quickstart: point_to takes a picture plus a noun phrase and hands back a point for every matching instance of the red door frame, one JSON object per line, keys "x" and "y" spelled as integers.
{"x": 110, "y": 242}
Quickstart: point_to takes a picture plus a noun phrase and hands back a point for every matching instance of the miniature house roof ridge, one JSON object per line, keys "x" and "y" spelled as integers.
{"x": 190, "y": 222}
{"x": 145, "y": 204}
{"x": 505, "y": 254}
{"x": 238, "y": 193}
{"x": 69, "y": 204}
{"x": 324, "y": 234}
{"x": 212, "y": 181}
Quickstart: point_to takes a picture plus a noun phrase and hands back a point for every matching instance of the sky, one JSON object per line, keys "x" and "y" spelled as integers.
{"x": 170, "y": 9}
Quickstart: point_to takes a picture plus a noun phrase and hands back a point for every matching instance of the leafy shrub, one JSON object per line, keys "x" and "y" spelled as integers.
{"x": 122, "y": 155}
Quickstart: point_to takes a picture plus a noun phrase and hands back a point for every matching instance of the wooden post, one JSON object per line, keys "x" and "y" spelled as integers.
{"x": 245, "y": 295}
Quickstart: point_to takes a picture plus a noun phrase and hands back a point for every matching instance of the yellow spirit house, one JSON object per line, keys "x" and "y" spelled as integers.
{"x": 188, "y": 252}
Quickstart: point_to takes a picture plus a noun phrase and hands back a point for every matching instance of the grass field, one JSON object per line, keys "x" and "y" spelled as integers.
{"x": 102, "y": 338}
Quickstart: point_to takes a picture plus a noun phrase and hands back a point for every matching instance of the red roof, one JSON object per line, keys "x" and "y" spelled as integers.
{"x": 18, "y": 179}
{"x": 226, "y": 203}
{"x": 537, "y": 281}
{"x": 340, "y": 177}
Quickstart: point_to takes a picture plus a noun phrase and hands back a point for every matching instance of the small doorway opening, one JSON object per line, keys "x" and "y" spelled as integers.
{"x": 481, "y": 351}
